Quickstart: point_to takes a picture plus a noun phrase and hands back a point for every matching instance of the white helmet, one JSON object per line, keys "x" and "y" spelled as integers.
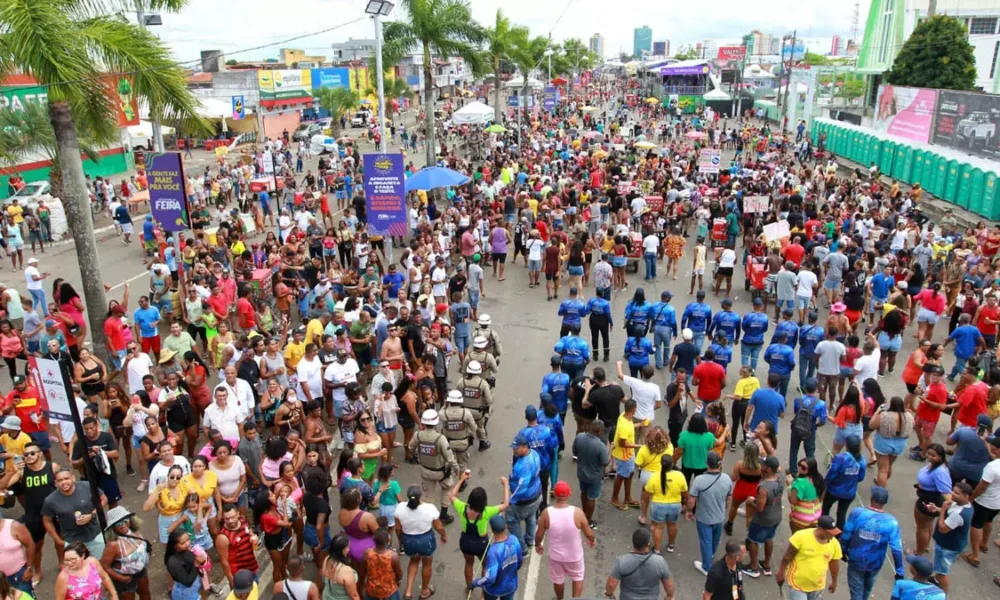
{"x": 485, "y": 320}
{"x": 474, "y": 368}
{"x": 455, "y": 397}
{"x": 479, "y": 341}
{"x": 430, "y": 418}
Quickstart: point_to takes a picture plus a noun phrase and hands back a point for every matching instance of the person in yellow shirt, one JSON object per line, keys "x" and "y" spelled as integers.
{"x": 667, "y": 492}
{"x": 623, "y": 451}
{"x": 315, "y": 328}
{"x": 295, "y": 349}
{"x": 647, "y": 460}
{"x": 810, "y": 553}
{"x": 745, "y": 387}
{"x": 13, "y": 441}
{"x": 16, "y": 212}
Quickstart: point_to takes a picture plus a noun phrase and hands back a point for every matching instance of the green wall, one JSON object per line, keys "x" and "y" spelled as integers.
{"x": 108, "y": 165}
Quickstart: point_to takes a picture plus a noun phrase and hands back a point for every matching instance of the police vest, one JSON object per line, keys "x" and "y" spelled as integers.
{"x": 454, "y": 427}
{"x": 428, "y": 453}
{"x": 472, "y": 391}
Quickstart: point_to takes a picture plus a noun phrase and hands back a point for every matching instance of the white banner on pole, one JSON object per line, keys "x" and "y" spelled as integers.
{"x": 756, "y": 204}
{"x": 710, "y": 160}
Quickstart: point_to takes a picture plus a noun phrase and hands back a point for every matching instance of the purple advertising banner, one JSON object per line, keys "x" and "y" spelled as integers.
{"x": 549, "y": 100}
{"x": 701, "y": 69}
{"x": 167, "y": 190}
{"x": 385, "y": 193}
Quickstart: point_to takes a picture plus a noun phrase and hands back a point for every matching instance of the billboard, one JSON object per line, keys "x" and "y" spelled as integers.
{"x": 550, "y": 99}
{"x": 968, "y": 122}
{"x": 905, "y": 112}
{"x": 331, "y": 77}
{"x": 731, "y": 52}
{"x": 710, "y": 160}
{"x": 659, "y": 48}
{"x": 167, "y": 191}
{"x": 282, "y": 84}
{"x": 797, "y": 52}
{"x": 700, "y": 69}
{"x": 385, "y": 193}
{"x": 239, "y": 109}
{"x": 123, "y": 99}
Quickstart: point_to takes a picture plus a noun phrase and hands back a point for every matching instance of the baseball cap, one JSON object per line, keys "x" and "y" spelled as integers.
{"x": 561, "y": 490}
{"x": 921, "y": 564}
{"x": 687, "y": 334}
{"x": 667, "y": 294}
{"x": 758, "y": 302}
{"x": 772, "y": 462}
{"x": 981, "y": 421}
{"x": 243, "y": 582}
{"x": 498, "y": 523}
{"x": 19, "y": 379}
{"x": 519, "y": 440}
{"x": 828, "y": 524}
{"x": 880, "y": 495}
{"x": 32, "y": 261}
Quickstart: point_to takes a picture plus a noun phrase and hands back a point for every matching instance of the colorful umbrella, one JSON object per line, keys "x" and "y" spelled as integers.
{"x": 496, "y": 128}
{"x": 652, "y": 100}
{"x": 645, "y": 145}
{"x": 430, "y": 178}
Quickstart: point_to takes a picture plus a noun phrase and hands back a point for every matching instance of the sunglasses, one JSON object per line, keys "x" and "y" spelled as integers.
{"x": 32, "y": 453}
{"x": 174, "y": 478}
{"x": 365, "y": 419}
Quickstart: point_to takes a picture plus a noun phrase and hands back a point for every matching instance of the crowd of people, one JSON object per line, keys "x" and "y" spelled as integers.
{"x": 261, "y": 382}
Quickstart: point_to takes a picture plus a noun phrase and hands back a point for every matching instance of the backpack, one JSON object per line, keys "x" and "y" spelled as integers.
{"x": 802, "y": 423}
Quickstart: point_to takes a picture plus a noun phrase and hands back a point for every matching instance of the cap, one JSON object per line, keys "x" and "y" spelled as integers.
{"x": 243, "y": 582}
{"x": 422, "y": 298}
{"x": 772, "y": 462}
{"x": 341, "y": 351}
{"x": 838, "y": 307}
{"x": 50, "y": 322}
{"x": 880, "y": 495}
{"x": 921, "y": 564}
{"x": 13, "y": 423}
{"x": 562, "y": 490}
{"x": 828, "y": 524}
{"x": 18, "y": 379}
{"x": 485, "y": 320}
{"x": 758, "y": 301}
{"x": 727, "y": 301}
{"x": 666, "y": 294}
{"x": 474, "y": 368}
{"x": 479, "y": 342}
{"x": 440, "y": 308}
{"x": 993, "y": 439}
{"x": 498, "y": 523}
{"x": 430, "y": 417}
{"x": 455, "y": 397}
{"x": 530, "y": 413}
{"x": 32, "y": 261}
{"x": 167, "y": 355}
{"x": 519, "y": 440}
{"x": 981, "y": 420}
{"x": 300, "y": 329}
{"x": 713, "y": 460}
{"x": 116, "y": 515}
{"x": 687, "y": 334}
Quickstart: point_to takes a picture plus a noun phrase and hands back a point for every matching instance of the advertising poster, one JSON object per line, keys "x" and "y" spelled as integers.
{"x": 968, "y": 122}
{"x": 239, "y": 109}
{"x": 385, "y": 193}
{"x": 709, "y": 160}
{"x": 283, "y": 84}
{"x": 756, "y": 204}
{"x": 51, "y": 388}
{"x": 550, "y": 99}
{"x": 905, "y": 112}
{"x": 123, "y": 100}
{"x": 731, "y": 52}
{"x": 167, "y": 195}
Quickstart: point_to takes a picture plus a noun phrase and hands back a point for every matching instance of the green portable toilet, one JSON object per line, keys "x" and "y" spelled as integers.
{"x": 940, "y": 176}
{"x": 927, "y": 174}
{"x": 857, "y": 146}
{"x": 953, "y": 169}
{"x": 874, "y": 150}
{"x": 917, "y": 175}
{"x": 815, "y": 131}
{"x": 888, "y": 155}
{"x": 866, "y": 148}
{"x": 991, "y": 199}
{"x": 976, "y": 191}
{"x": 964, "y": 185}
{"x": 902, "y": 169}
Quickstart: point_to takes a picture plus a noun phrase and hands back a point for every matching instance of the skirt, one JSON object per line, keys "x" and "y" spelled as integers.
{"x": 421, "y": 544}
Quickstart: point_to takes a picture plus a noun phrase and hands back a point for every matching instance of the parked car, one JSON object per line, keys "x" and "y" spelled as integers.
{"x": 975, "y": 128}
{"x": 360, "y": 118}
{"x": 305, "y": 131}
{"x": 29, "y": 194}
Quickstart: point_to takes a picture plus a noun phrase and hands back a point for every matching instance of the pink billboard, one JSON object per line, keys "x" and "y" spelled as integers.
{"x": 905, "y": 112}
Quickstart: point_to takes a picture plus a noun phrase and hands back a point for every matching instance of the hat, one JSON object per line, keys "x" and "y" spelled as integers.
{"x": 430, "y": 417}
{"x": 13, "y": 423}
{"x": 243, "y": 582}
{"x": 921, "y": 564}
{"x": 880, "y": 495}
{"x": 530, "y": 413}
{"x": 422, "y": 298}
{"x": 772, "y": 462}
{"x": 19, "y": 379}
{"x": 902, "y": 284}
{"x": 666, "y": 294}
{"x": 167, "y": 355}
{"x": 300, "y": 329}
{"x": 519, "y": 440}
{"x": 561, "y": 490}
{"x": 727, "y": 301}
{"x": 687, "y": 334}
{"x": 993, "y": 439}
{"x": 32, "y": 261}
{"x": 441, "y": 307}
{"x": 838, "y": 307}
{"x": 341, "y": 351}
{"x": 479, "y": 342}
{"x": 474, "y": 367}
{"x": 455, "y": 397}
{"x": 498, "y": 523}
{"x": 828, "y": 524}
{"x": 485, "y": 320}
{"x": 714, "y": 460}
{"x": 50, "y": 322}
{"x": 981, "y": 420}
{"x": 116, "y": 515}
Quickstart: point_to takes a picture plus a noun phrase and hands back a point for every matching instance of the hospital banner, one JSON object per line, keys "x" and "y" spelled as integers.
{"x": 48, "y": 379}
{"x": 905, "y": 112}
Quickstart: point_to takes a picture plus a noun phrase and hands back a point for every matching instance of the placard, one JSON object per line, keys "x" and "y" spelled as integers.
{"x": 385, "y": 193}
{"x": 774, "y": 232}
{"x": 51, "y": 387}
{"x": 756, "y": 204}
{"x": 167, "y": 190}
{"x": 646, "y": 187}
{"x": 710, "y": 160}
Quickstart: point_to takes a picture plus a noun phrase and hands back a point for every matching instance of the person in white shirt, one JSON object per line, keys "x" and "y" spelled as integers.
{"x": 223, "y": 418}
{"x": 158, "y": 474}
{"x": 310, "y": 373}
{"x": 806, "y": 290}
{"x": 646, "y": 394}
{"x": 34, "y": 281}
{"x": 439, "y": 282}
{"x": 727, "y": 264}
{"x": 650, "y": 244}
{"x": 337, "y": 375}
{"x": 866, "y": 367}
{"x": 240, "y": 393}
{"x": 284, "y": 225}
{"x": 137, "y": 365}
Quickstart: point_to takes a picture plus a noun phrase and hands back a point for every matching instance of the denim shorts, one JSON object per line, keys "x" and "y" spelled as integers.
{"x": 831, "y": 284}
{"x": 944, "y": 559}
{"x": 474, "y": 298}
{"x": 887, "y": 344}
{"x": 619, "y": 261}
{"x": 592, "y": 490}
{"x": 137, "y": 441}
{"x": 784, "y": 303}
{"x": 661, "y": 512}
{"x": 802, "y": 302}
{"x": 889, "y": 446}
{"x": 534, "y": 266}
{"x": 421, "y": 544}
{"x": 927, "y": 316}
{"x": 338, "y": 408}
{"x": 576, "y": 271}
{"x": 311, "y": 537}
{"x": 759, "y": 534}
{"x": 625, "y": 468}
{"x": 381, "y": 428}
{"x": 840, "y": 435}
{"x": 462, "y": 343}
{"x": 389, "y": 512}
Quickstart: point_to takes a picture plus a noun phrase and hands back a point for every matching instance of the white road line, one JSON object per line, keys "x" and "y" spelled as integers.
{"x": 129, "y": 280}
{"x": 534, "y": 570}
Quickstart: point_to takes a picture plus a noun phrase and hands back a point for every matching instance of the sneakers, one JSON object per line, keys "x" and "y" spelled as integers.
{"x": 751, "y": 573}
{"x": 141, "y": 486}
{"x": 593, "y": 525}
{"x": 728, "y": 528}
{"x": 129, "y": 470}
{"x": 732, "y": 447}
{"x": 701, "y": 569}
{"x": 307, "y": 556}
{"x": 484, "y": 445}
{"x": 447, "y": 519}
{"x": 767, "y": 571}
{"x": 670, "y": 548}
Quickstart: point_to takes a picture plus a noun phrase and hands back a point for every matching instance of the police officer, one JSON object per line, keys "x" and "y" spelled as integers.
{"x": 697, "y": 315}
{"x": 575, "y": 352}
{"x": 486, "y": 330}
{"x": 542, "y": 440}
{"x": 459, "y": 428}
{"x": 754, "y": 326}
{"x": 601, "y": 323}
{"x": 572, "y": 310}
{"x": 479, "y": 354}
{"x": 437, "y": 463}
{"x": 726, "y": 322}
{"x": 478, "y": 398}
{"x": 663, "y": 318}
{"x": 781, "y": 358}
{"x": 556, "y": 384}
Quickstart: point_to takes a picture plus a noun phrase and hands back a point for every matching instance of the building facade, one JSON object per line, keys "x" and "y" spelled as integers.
{"x": 352, "y": 49}
{"x": 597, "y": 45}
{"x": 642, "y": 41}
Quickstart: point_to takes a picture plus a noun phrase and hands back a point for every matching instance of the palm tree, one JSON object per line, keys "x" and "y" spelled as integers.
{"x": 436, "y": 27}
{"x": 501, "y": 40}
{"x": 528, "y": 56}
{"x": 70, "y": 46}
{"x": 338, "y": 101}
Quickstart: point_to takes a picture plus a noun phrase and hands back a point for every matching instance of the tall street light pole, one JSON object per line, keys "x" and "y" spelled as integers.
{"x": 140, "y": 14}
{"x": 378, "y": 9}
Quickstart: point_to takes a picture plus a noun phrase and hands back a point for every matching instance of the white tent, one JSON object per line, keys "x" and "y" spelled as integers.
{"x": 473, "y": 113}
{"x": 518, "y": 83}
{"x": 214, "y": 109}
{"x": 717, "y": 94}
{"x": 143, "y": 132}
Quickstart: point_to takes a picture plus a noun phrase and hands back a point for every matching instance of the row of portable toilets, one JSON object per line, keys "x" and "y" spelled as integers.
{"x": 963, "y": 183}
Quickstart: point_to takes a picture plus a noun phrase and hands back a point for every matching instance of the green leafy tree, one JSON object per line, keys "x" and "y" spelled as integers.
{"x": 529, "y": 53}
{"x": 501, "y": 40}
{"x": 686, "y": 53}
{"x": 338, "y": 101}
{"x": 69, "y": 46}
{"x": 936, "y": 55}
{"x": 816, "y": 60}
{"x": 436, "y": 27}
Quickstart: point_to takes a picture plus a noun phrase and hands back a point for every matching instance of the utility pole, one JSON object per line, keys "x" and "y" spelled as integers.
{"x": 788, "y": 72}
{"x": 739, "y": 79}
{"x": 140, "y": 13}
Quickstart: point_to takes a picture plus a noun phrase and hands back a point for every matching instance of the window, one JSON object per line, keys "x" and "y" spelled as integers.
{"x": 886, "y": 34}
{"x": 983, "y": 26}
{"x": 993, "y": 63}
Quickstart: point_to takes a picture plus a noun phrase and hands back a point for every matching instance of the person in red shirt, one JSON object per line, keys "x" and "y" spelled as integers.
{"x": 245, "y": 313}
{"x": 986, "y": 319}
{"x": 971, "y": 401}
{"x": 794, "y": 252}
{"x": 709, "y": 377}
{"x": 23, "y": 401}
{"x": 934, "y": 400}
{"x": 551, "y": 265}
{"x": 114, "y": 335}
{"x": 218, "y": 303}
{"x": 543, "y": 230}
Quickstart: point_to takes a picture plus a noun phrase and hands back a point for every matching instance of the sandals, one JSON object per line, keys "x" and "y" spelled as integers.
{"x": 972, "y": 561}
{"x": 618, "y": 506}
{"x": 430, "y": 588}
{"x": 633, "y": 504}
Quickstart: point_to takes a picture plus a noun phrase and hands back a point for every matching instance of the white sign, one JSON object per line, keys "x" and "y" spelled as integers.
{"x": 268, "y": 163}
{"x": 756, "y": 204}
{"x": 49, "y": 381}
{"x": 777, "y": 231}
{"x": 710, "y": 160}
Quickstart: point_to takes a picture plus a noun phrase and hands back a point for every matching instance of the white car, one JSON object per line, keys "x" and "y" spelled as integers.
{"x": 360, "y": 118}
{"x": 29, "y": 194}
{"x": 977, "y": 127}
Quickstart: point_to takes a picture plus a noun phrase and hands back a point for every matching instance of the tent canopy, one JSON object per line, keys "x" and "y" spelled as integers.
{"x": 717, "y": 94}
{"x": 214, "y": 109}
{"x": 518, "y": 83}
{"x": 473, "y": 113}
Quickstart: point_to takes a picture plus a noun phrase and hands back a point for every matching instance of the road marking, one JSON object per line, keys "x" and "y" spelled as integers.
{"x": 129, "y": 280}
{"x": 534, "y": 570}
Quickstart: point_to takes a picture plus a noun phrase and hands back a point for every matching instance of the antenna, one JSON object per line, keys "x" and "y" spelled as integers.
{"x": 854, "y": 21}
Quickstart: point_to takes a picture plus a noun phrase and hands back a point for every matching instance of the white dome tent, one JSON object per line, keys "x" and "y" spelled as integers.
{"x": 473, "y": 113}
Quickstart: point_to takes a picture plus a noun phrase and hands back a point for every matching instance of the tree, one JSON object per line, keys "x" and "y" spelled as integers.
{"x": 70, "y": 46}
{"x": 232, "y": 62}
{"x": 437, "y": 27}
{"x": 937, "y": 55}
{"x": 338, "y": 101}
{"x": 528, "y": 55}
{"x": 576, "y": 57}
{"x": 501, "y": 40}
{"x": 816, "y": 60}
{"x": 686, "y": 53}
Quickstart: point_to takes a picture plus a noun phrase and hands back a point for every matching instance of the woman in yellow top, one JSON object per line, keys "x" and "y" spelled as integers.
{"x": 668, "y": 494}
{"x": 745, "y": 387}
{"x": 169, "y": 501}
{"x": 205, "y": 483}
{"x": 647, "y": 460}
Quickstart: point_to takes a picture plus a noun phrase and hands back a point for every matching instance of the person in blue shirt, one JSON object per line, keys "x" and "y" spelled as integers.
{"x": 526, "y": 494}
{"x": 572, "y": 310}
{"x": 663, "y": 318}
{"x": 920, "y": 587}
{"x": 780, "y": 356}
{"x": 556, "y": 384}
{"x": 575, "y": 352}
{"x": 542, "y": 440}
{"x": 809, "y": 337}
{"x": 879, "y": 287}
{"x": 808, "y": 401}
{"x": 549, "y": 417}
{"x": 147, "y": 319}
{"x": 392, "y": 280}
{"x": 766, "y": 404}
{"x": 601, "y": 323}
{"x": 867, "y": 535}
{"x": 722, "y": 350}
{"x": 637, "y": 312}
{"x": 967, "y": 340}
{"x": 501, "y": 563}
{"x": 788, "y": 327}
{"x": 846, "y": 471}
{"x": 753, "y": 326}
{"x": 726, "y": 322}
{"x": 638, "y": 348}
{"x": 697, "y": 315}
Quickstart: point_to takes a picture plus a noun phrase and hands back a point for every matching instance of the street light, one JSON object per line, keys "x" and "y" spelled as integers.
{"x": 379, "y": 9}
{"x": 548, "y": 54}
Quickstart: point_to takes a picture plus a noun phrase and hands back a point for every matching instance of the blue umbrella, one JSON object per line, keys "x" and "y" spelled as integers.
{"x": 435, "y": 177}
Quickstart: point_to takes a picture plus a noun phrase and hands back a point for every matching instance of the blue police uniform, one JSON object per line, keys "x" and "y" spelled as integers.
{"x": 572, "y": 311}
{"x": 754, "y": 326}
{"x": 575, "y": 352}
{"x": 557, "y": 386}
{"x": 727, "y": 322}
{"x": 637, "y": 351}
{"x": 809, "y": 337}
{"x": 663, "y": 317}
{"x": 696, "y": 317}
{"x": 781, "y": 357}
